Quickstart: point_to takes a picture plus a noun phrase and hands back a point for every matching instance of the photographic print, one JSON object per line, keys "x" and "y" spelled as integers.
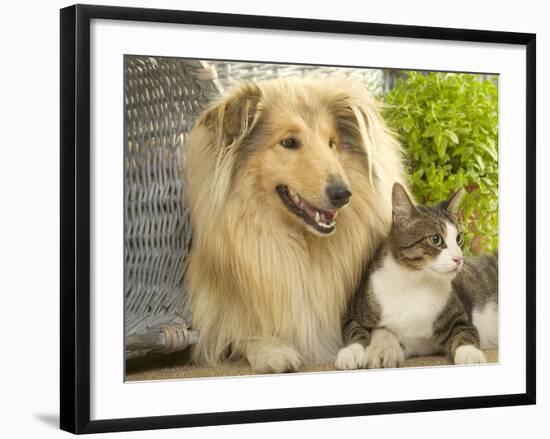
{"x": 278, "y": 228}
{"x": 304, "y": 218}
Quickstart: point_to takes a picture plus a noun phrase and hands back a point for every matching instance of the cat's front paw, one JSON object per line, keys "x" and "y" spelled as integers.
{"x": 384, "y": 350}
{"x": 468, "y": 354}
{"x": 351, "y": 357}
{"x": 384, "y": 356}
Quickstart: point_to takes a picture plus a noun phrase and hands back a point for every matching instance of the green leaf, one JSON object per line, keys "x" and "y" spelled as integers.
{"x": 407, "y": 125}
{"x": 431, "y": 131}
{"x": 479, "y": 161}
{"x": 491, "y": 151}
{"x": 452, "y": 137}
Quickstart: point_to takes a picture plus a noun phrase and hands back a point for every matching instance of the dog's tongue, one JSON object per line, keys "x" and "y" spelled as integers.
{"x": 329, "y": 215}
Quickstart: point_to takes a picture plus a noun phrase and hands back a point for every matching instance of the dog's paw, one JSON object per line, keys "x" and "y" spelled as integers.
{"x": 274, "y": 358}
{"x": 469, "y": 354}
{"x": 351, "y": 357}
{"x": 384, "y": 351}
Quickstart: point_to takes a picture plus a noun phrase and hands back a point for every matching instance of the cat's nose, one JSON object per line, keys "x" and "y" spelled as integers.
{"x": 457, "y": 260}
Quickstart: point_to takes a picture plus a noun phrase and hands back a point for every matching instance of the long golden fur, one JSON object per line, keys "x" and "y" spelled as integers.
{"x": 262, "y": 284}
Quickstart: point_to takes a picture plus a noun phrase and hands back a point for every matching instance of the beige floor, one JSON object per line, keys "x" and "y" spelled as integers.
{"x": 176, "y": 366}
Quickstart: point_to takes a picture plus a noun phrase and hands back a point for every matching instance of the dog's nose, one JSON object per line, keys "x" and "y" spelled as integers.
{"x": 338, "y": 194}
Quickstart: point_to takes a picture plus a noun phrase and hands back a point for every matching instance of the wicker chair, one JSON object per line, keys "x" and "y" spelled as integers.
{"x": 163, "y": 98}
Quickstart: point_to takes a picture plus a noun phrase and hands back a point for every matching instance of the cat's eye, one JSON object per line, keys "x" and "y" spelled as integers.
{"x": 460, "y": 238}
{"x": 290, "y": 143}
{"x": 436, "y": 240}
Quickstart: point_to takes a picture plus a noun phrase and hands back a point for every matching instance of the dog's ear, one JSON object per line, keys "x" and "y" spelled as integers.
{"x": 227, "y": 123}
{"x": 363, "y": 130}
{"x": 234, "y": 117}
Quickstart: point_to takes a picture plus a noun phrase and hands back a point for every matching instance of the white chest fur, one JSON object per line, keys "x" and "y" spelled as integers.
{"x": 409, "y": 303}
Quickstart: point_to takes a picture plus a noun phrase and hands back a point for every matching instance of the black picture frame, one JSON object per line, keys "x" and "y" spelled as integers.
{"x": 75, "y": 217}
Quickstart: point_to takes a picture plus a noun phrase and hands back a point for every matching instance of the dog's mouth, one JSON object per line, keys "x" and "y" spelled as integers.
{"x": 323, "y": 221}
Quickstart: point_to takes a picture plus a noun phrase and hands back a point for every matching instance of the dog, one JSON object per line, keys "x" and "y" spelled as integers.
{"x": 289, "y": 186}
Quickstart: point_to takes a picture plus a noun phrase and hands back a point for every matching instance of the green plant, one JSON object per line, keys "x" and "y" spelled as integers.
{"x": 448, "y": 125}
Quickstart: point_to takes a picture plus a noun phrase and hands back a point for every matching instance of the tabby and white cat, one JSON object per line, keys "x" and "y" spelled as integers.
{"x": 420, "y": 296}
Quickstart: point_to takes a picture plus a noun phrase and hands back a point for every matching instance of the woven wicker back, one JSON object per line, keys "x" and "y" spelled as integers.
{"x": 163, "y": 98}
{"x": 230, "y": 73}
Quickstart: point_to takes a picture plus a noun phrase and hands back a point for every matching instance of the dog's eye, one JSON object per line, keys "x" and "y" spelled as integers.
{"x": 290, "y": 143}
{"x": 331, "y": 143}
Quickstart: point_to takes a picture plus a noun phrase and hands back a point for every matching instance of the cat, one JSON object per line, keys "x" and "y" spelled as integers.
{"x": 419, "y": 295}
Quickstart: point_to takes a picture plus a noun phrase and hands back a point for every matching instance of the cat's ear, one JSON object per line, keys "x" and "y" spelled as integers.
{"x": 402, "y": 206}
{"x": 452, "y": 204}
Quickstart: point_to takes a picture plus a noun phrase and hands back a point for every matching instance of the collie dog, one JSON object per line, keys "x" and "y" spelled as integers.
{"x": 289, "y": 187}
